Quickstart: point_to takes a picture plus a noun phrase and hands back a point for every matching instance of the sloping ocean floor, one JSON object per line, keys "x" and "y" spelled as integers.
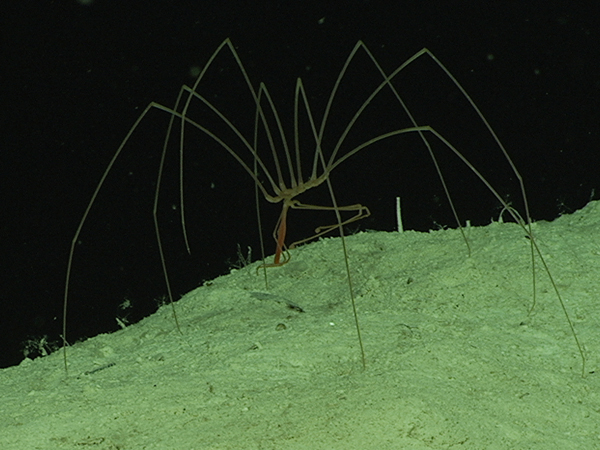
{"x": 454, "y": 359}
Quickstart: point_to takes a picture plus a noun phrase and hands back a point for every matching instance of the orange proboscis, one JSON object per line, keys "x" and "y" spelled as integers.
{"x": 281, "y": 231}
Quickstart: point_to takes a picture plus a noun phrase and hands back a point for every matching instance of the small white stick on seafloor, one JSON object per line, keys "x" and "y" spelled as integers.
{"x": 399, "y": 215}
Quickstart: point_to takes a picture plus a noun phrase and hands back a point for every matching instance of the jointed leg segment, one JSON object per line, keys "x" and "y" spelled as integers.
{"x": 281, "y": 253}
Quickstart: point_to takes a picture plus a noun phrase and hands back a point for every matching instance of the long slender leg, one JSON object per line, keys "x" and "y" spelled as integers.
{"x": 281, "y": 250}
{"x": 361, "y": 213}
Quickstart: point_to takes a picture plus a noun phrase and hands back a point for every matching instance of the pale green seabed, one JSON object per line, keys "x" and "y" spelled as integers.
{"x": 453, "y": 359}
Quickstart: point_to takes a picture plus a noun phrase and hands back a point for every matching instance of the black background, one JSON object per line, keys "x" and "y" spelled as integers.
{"x": 74, "y": 78}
